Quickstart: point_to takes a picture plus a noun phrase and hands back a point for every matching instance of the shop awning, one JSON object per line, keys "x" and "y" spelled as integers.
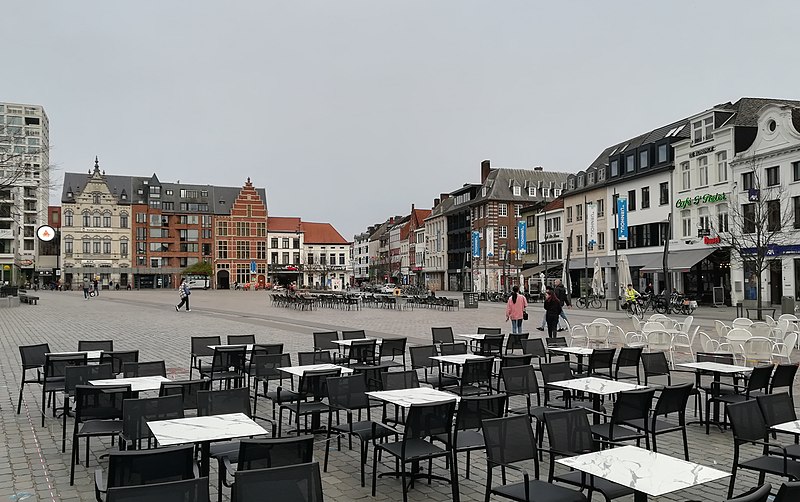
{"x": 538, "y": 269}
{"x": 578, "y": 263}
{"x": 679, "y": 261}
{"x": 635, "y": 260}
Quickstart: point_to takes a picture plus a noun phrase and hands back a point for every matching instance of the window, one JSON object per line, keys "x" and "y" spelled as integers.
{"x": 722, "y": 218}
{"x": 686, "y": 176}
{"x": 87, "y": 220}
{"x": 773, "y": 176}
{"x": 123, "y": 249}
{"x": 123, "y": 220}
{"x": 796, "y": 207}
{"x": 242, "y": 250}
{"x": 579, "y": 212}
{"x": 748, "y": 180}
{"x": 590, "y": 178}
{"x": 517, "y": 190}
{"x": 686, "y": 219}
{"x": 630, "y": 163}
{"x": 532, "y": 191}
{"x": 87, "y": 247}
{"x": 773, "y": 215}
{"x": 107, "y": 220}
{"x": 341, "y": 259}
{"x": 749, "y": 217}
{"x": 261, "y": 229}
{"x": 502, "y": 209}
{"x": 97, "y": 220}
{"x": 663, "y": 193}
{"x": 643, "y": 159}
{"x": 96, "y": 247}
{"x": 580, "y": 243}
{"x": 243, "y": 228}
{"x": 702, "y": 129}
{"x": 309, "y": 258}
{"x": 601, "y": 208}
{"x": 106, "y": 247}
{"x": 503, "y": 231}
{"x": 296, "y": 258}
{"x": 614, "y": 167}
{"x": 580, "y": 181}
{"x": 141, "y": 217}
{"x": 662, "y": 153}
{"x": 601, "y": 240}
{"x": 273, "y": 243}
{"x": 285, "y": 243}
{"x": 517, "y": 209}
{"x": 705, "y": 218}
{"x": 722, "y": 166}
{"x": 68, "y": 218}
{"x": 645, "y": 197}
{"x": 261, "y": 250}
{"x": 68, "y": 243}
{"x": 285, "y": 258}
{"x": 631, "y": 200}
{"x": 95, "y": 198}
{"x": 702, "y": 171}
{"x": 569, "y": 214}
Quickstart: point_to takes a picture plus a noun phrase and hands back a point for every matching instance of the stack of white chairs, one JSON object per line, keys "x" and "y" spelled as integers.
{"x": 722, "y": 329}
{"x": 661, "y": 341}
{"x": 578, "y": 336}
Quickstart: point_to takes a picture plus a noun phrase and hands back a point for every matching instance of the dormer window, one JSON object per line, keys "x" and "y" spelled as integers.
{"x": 614, "y": 167}
{"x": 703, "y": 129}
{"x": 532, "y": 191}
{"x": 662, "y": 153}
{"x": 123, "y": 196}
{"x": 95, "y": 198}
{"x": 590, "y": 176}
{"x": 557, "y": 192}
{"x": 517, "y": 190}
{"x": 601, "y": 174}
{"x": 70, "y": 195}
{"x": 643, "y": 159}
{"x": 580, "y": 181}
{"x": 572, "y": 183}
{"x": 483, "y": 191}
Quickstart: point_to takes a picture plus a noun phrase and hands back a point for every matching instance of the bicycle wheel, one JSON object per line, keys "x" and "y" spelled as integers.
{"x": 596, "y": 303}
{"x": 581, "y": 303}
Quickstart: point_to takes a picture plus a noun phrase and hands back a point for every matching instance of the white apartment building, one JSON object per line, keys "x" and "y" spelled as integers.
{"x": 327, "y": 257}
{"x": 284, "y": 250}
{"x": 360, "y": 257}
{"x": 24, "y": 188}
{"x": 435, "y": 267}
{"x": 550, "y": 234}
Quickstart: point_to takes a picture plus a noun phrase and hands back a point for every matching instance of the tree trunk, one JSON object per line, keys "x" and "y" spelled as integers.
{"x": 758, "y": 297}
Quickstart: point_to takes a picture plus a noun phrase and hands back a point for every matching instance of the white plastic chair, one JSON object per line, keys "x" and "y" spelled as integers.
{"x": 761, "y": 330}
{"x": 784, "y": 348}
{"x": 685, "y": 341}
{"x": 578, "y": 336}
{"x": 598, "y": 334}
{"x": 637, "y": 324}
{"x": 652, "y": 326}
{"x": 669, "y": 323}
{"x": 770, "y": 321}
{"x": 741, "y": 322}
{"x": 721, "y": 328}
{"x": 734, "y": 341}
{"x": 788, "y": 317}
{"x": 617, "y": 336}
{"x": 757, "y": 349}
{"x": 707, "y": 343}
{"x": 656, "y": 317}
{"x": 686, "y": 325}
{"x": 660, "y": 341}
{"x": 603, "y": 320}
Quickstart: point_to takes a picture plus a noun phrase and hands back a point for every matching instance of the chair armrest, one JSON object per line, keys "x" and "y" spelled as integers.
{"x": 99, "y": 484}
{"x": 229, "y": 468}
{"x": 598, "y": 412}
{"x": 387, "y": 427}
{"x": 288, "y": 393}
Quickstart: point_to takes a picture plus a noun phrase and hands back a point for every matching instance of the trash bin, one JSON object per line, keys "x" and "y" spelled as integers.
{"x": 470, "y": 300}
{"x": 787, "y": 305}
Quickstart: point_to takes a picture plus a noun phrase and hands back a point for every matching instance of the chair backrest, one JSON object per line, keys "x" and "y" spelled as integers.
{"x": 275, "y": 452}
{"x": 95, "y": 345}
{"x": 222, "y": 402}
{"x": 323, "y": 340}
{"x": 601, "y": 359}
{"x": 746, "y": 420}
{"x": 291, "y": 483}
{"x": 783, "y": 376}
{"x": 144, "y": 467}
{"x": 757, "y": 494}
{"x": 569, "y": 432}
{"x": 656, "y": 317}
{"x": 673, "y": 399}
{"x": 241, "y": 339}
{"x": 761, "y": 329}
{"x": 200, "y": 345}
{"x": 659, "y": 340}
{"x": 555, "y": 372}
{"x": 686, "y": 325}
{"x": 429, "y": 420}
{"x": 788, "y": 492}
{"x": 315, "y": 357}
{"x": 707, "y": 343}
{"x": 655, "y": 364}
{"x": 491, "y": 345}
{"x": 229, "y": 359}
{"x": 348, "y": 391}
{"x": 515, "y": 360}
{"x": 187, "y": 389}
{"x": 514, "y": 341}
{"x": 391, "y": 347}
{"x": 489, "y": 331}
{"x": 715, "y": 357}
{"x": 421, "y": 356}
{"x": 100, "y": 403}
{"x": 149, "y": 368}
{"x": 137, "y": 412}
{"x": 55, "y": 365}
{"x": 759, "y": 378}
{"x": 194, "y": 490}
{"x": 597, "y": 332}
{"x": 789, "y": 341}
{"x": 118, "y": 358}
{"x": 578, "y": 337}
{"x": 637, "y": 324}
{"x": 353, "y": 334}
{"x": 721, "y": 329}
{"x": 629, "y": 357}
{"x": 633, "y": 405}
{"x": 264, "y": 349}
{"x": 558, "y": 341}
{"x": 652, "y": 326}
{"x": 362, "y": 351}
{"x": 472, "y": 410}
{"x": 777, "y": 408}
{"x": 509, "y": 439}
{"x": 451, "y": 349}
{"x": 314, "y": 384}
{"x": 267, "y": 366}
{"x": 741, "y": 322}
{"x": 534, "y": 347}
{"x": 83, "y": 374}
{"x": 520, "y": 380}
{"x": 757, "y": 348}
{"x": 33, "y": 356}
{"x": 442, "y": 335}
{"x": 477, "y": 372}
{"x": 769, "y": 320}
{"x": 789, "y": 317}
{"x": 396, "y": 380}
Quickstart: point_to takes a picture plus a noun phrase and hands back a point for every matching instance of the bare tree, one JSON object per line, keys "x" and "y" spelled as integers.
{"x": 757, "y": 227}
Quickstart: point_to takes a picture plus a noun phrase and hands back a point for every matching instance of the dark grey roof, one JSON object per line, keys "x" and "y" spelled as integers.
{"x": 500, "y": 181}
{"x": 747, "y": 109}
{"x": 441, "y": 208}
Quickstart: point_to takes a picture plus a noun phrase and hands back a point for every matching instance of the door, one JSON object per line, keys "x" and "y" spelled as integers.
{"x": 223, "y": 279}
{"x": 775, "y": 282}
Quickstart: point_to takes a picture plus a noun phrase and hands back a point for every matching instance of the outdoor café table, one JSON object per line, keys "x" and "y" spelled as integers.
{"x": 457, "y": 359}
{"x": 579, "y": 352}
{"x": 597, "y": 387}
{"x": 717, "y": 369}
{"x": 138, "y": 384}
{"x": 204, "y": 430}
{"x": 416, "y": 396}
{"x": 299, "y": 371}
{"x": 91, "y": 355}
{"x": 648, "y": 473}
{"x": 248, "y": 347}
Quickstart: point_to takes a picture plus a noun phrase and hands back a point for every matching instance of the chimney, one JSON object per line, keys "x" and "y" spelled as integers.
{"x": 486, "y": 168}
{"x": 435, "y": 202}
{"x": 538, "y": 168}
{"x": 412, "y": 207}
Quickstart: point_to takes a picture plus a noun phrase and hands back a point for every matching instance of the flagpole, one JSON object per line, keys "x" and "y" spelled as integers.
{"x": 616, "y": 243}
{"x": 586, "y": 245}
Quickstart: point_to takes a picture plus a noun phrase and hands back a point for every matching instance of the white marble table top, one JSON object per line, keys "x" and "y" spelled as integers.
{"x": 581, "y": 351}
{"x": 715, "y": 367}
{"x": 201, "y": 429}
{"x": 300, "y": 370}
{"x": 458, "y": 359}
{"x": 472, "y": 336}
{"x": 138, "y": 384}
{"x": 645, "y": 471}
{"x": 248, "y": 347}
{"x": 792, "y": 427}
{"x": 347, "y": 343}
{"x": 90, "y": 354}
{"x": 407, "y": 397}
{"x": 594, "y": 385}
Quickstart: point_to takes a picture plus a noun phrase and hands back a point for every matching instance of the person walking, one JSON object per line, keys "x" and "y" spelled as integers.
{"x": 561, "y": 293}
{"x": 85, "y": 288}
{"x": 96, "y": 291}
{"x": 515, "y": 309}
{"x": 184, "y": 292}
{"x": 552, "y": 308}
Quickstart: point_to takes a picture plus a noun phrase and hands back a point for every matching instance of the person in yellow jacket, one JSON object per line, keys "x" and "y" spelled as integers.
{"x": 631, "y": 294}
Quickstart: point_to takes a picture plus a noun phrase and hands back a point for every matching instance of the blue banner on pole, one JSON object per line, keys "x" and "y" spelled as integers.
{"x": 622, "y": 219}
{"x": 476, "y": 244}
{"x": 253, "y": 266}
{"x": 522, "y": 237}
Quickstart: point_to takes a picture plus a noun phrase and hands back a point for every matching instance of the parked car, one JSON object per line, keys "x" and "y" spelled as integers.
{"x": 388, "y": 288}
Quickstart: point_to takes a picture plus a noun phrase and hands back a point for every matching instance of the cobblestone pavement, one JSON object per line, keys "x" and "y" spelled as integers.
{"x": 32, "y": 466}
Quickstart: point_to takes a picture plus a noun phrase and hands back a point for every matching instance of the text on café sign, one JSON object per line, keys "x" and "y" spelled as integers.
{"x": 700, "y": 199}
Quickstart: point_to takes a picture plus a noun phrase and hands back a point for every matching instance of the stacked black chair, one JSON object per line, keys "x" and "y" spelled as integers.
{"x": 54, "y": 377}
{"x": 146, "y": 467}
{"x": 79, "y": 375}
{"x": 143, "y": 369}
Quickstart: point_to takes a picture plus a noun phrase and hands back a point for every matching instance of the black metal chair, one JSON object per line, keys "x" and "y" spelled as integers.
{"x": 149, "y": 368}
{"x": 392, "y": 348}
{"x": 778, "y": 409}
{"x": 292, "y": 483}
{"x": 511, "y": 440}
{"x": 757, "y": 494}
{"x": 145, "y": 467}
{"x": 421, "y": 360}
{"x": 98, "y": 412}
{"x": 241, "y": 339}
{"x": 424, "y": 421}
{"x": 673, "y": 399}
{"x": 489, "y": 331}
{"x": 79, "y": 375}
{"x": 655, "y": 364}
{"x": 556, "y": 372}
{"x": 555, "y": 342}
{"x": 200, "y": 350}
{"x": 353, "y": 334}
{"x": 569, "y": 434}
{"x": 187, "y": 389}
{"x": 324, "y": 340}
{"x": 189, "y": 490}
{"x": 347, "y": 394}
{"x": 489, "y": 346}
{"x": 309, "y": 398}
{"x": 629, "y": 357}
{"x": 442, "y": 335}
{"x": 509, "y": 360}
{"x": 265, "y": 454}
{"x": 522, "y": 381}
{"x": 118, "y": 358}
{"x": 228, "y": 364}
{"x": 515, "y": 340}
{"x": 361, "y": 352}
{"x": 85, "y": 345}
{"x": 260, "y": 349}
{"x": 265, "y": 369}
{"x": 783, "y": 377}
{"x": 315, "y": 357}
{"x": 536, "y": 348}
{"x": 476, "y": 378}
{"x": 452, "y": 349}
{"x": 32, "y": 358}
{"x": 748, "y": 426}
{"x": 137, "y": 412}
{"x": 756, "y": 384}
{"x": 788, "y": 492}
{"x": 54, "y": 377}
{"x": 601, "y": 362}
{"x": 630, "y": 406}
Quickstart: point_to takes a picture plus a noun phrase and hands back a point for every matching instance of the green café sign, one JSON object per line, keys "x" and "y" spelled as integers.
{"x": 701, "y": 199}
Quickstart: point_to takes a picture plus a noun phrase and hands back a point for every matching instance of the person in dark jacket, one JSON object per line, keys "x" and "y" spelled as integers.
{"x": 552, "y": 308}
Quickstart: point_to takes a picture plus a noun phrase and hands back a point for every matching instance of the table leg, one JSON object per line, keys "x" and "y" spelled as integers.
{"x": 716, "y": 403}
{"x": 596, "y": 406}
{"x": 639, "y": 496}
{"x": 205, "y": 458}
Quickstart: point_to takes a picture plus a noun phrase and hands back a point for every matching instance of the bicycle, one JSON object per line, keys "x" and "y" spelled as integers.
{"x": 634, "y": 309}
{"x": 591, "y": 301}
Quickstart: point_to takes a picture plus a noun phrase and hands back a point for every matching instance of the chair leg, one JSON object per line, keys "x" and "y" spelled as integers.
{"x": 454, "y": 477}
{"x": 685, "y": 444}
{"x": 220, "y": 477}
{"x": 74, "y": 460}
{"x": 21, "y": 388}
{"x": 364, "y": 447}
{"x": 64, "y": 425}
{"x": 374, "y": 469}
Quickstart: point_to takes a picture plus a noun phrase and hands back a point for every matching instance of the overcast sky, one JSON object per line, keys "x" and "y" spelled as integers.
{"x": 350, "y": 111}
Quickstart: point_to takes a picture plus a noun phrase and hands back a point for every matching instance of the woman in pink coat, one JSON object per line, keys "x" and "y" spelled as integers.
{"x": 515, "y": 309}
